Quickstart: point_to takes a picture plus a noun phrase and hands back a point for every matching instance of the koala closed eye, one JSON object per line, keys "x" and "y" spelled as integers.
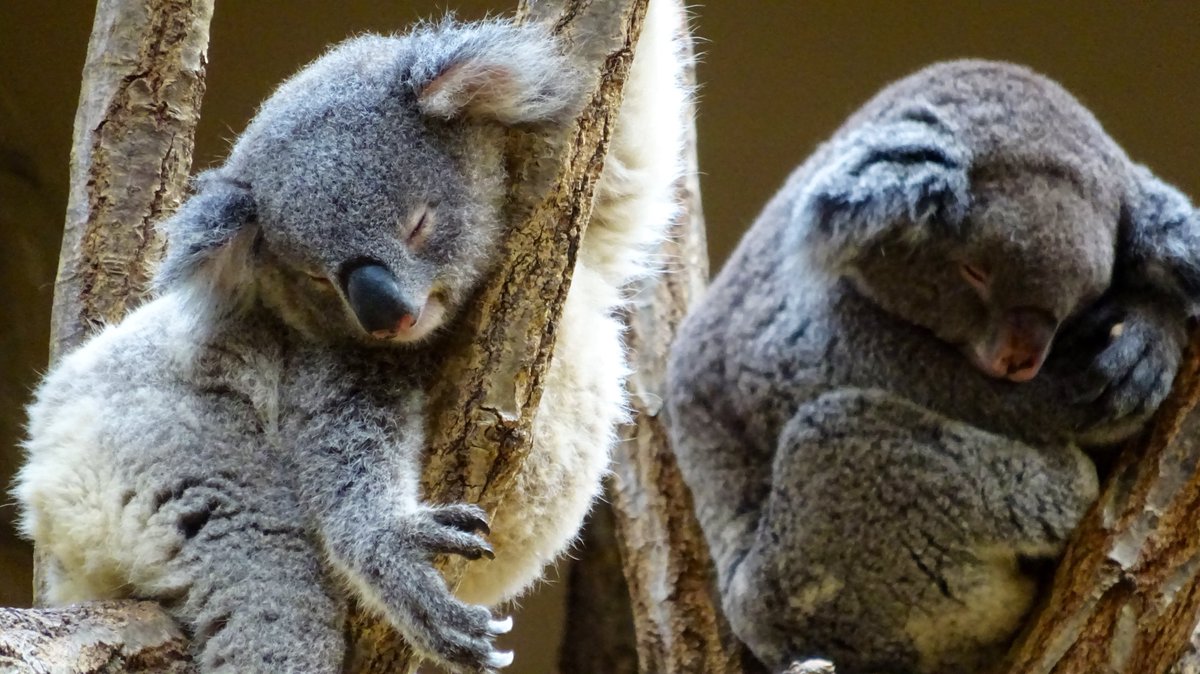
{"x": 419, "y": 225}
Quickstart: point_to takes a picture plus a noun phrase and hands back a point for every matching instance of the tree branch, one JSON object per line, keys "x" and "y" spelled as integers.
{"x": 1126, "y": 596}
{"x": 677, "y": 615}
{"x": 483, "y": 408}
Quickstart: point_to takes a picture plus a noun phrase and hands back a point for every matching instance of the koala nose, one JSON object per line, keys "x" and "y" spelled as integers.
{"x": 377, "y": 300}
{"x": 1021, "y": 344}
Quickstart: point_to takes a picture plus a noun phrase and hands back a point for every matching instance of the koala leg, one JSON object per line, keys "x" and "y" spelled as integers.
{"x": 893, "y": 538}
{"x": 258, "y": 599}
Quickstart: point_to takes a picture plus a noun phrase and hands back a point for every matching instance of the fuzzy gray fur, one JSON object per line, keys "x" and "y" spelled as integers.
{"x": 867, "y": 494}
{"x": 241, "y": 446}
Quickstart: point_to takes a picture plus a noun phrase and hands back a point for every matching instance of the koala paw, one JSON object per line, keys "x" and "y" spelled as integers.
{"x": 439, "y": 625}
{"x": 1137, "y": 346}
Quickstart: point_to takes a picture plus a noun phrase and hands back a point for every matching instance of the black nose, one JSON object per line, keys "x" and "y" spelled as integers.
{"x": 377, "y": 300}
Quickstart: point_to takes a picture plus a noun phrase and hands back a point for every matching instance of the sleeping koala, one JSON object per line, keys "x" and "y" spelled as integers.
{"x": 885, "y": 405}
{"x": 248, "y": 445}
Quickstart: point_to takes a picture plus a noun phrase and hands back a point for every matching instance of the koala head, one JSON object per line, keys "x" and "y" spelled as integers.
{"x": 1031, "y": 252}
{"x": 363, "y": 202}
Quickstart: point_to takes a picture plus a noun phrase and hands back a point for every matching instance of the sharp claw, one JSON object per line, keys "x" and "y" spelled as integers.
{"x": 482, "y": 525}
{"x": 499, "y": 659}
{"x": 488, "y": 552}
{"x": 500, "y": 626}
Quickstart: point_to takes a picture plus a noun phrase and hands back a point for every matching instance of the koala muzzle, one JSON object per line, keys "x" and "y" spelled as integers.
{"x": 381, "y": 306}
{"x": 1019, "y": 345}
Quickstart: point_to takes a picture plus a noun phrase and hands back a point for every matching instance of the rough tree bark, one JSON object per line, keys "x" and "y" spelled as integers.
{"x": 1126, "y": 596}
{"x": 677, "y": 616}
{"x": 96, "y": 638}
{"x": 490, "y": 387}
{"x": 139, "y": 103}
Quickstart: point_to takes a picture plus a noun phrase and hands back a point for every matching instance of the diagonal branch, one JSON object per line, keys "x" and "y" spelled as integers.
{"x": 483, "y": 407}
{"x": 1126, "y": 596}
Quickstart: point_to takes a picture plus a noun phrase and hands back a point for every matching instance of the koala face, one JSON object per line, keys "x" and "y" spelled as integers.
{"x": 1031, "y": 253}
{"x": 371, "y": 184}
{"x": 371, "y": 243}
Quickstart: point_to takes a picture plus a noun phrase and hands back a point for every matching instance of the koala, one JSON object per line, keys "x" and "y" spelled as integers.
{"x": 891, "y": 404}
{"x": 246, "y": 447}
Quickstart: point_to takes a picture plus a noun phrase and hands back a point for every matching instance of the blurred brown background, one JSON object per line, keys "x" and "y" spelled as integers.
{"x": 776, "y": 78}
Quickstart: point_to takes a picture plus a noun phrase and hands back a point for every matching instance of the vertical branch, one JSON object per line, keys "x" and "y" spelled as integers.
{"x": 134, "y": 129}
{"x": 139, "y": 103}
{"x": 490, "y": 382}
{"x": 1126, "y": 596}
{"x": 671, "y": 580}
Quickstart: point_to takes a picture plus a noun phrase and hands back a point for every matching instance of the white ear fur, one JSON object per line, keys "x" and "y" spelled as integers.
{"x": 495, "y": 70}
{"x": 210, "y": 241}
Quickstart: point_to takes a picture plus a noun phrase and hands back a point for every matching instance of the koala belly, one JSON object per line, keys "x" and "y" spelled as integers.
{"x": 582, "y": 404}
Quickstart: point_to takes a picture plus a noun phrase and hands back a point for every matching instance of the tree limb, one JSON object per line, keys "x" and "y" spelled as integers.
{"x": 483, "y": 407}
{"x": 677, "y": 615}
{"x": 94, "y": 638}
{"x": 1126, "y": 596}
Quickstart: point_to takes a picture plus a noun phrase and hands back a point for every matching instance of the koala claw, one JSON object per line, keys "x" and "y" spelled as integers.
{"x": 500, "y": 659}
{"x": 456, "y": 529}
{"x": 501, "y": 626}
{"x": 462, "y": 516}
{"x": 1137, "y": 355}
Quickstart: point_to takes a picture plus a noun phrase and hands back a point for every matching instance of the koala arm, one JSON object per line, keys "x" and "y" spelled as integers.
{"x": 899, "y": 531}
{"x": 1137, "y": 331}
{"x": 904, "y": 177}
{"x": 356, "y": 447}
{"x": 727, "y": 474}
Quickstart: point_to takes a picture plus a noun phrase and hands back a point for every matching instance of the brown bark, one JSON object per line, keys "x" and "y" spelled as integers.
{"x": 667, "y": 565}
{"x": 490, "y": 385}
{"x": 139, "y": 103}
{"x": 1126, "y": 596}
{"x": 134, "y": 129}
{"x": 95, "y": 638}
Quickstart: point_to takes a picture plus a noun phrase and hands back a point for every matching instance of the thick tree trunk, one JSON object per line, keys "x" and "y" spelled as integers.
{"x": 134, "y": 130}
{"x": 490, "y": 385}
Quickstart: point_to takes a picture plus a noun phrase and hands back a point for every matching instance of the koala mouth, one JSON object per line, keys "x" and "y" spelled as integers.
{"x": 384, "y": 310}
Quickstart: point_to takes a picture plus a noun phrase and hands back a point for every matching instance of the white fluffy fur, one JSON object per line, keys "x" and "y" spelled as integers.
{"x": 584, "y": 399}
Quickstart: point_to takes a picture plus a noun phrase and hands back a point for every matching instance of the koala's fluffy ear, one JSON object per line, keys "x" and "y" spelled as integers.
{"x": 1160, "y": 239}
{"x": 493, "y": 70}
{"x": 209, "y": 239}
{"x": 898, "y": 180}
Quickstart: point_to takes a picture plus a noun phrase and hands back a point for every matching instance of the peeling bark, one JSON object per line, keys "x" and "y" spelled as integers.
{"x": 95, "y": 638}
{"x": 134, "y": 130}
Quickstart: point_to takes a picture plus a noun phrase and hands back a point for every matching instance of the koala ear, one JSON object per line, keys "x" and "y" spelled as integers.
{"x": 209, "y": 239}
{"x": 899, "y": 180}
{"x": 1160, "y": 239}
{"x": 493, "y": 70}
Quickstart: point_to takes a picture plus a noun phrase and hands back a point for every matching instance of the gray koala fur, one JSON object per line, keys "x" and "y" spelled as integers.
{"x": 246, "y": 448}
{"x": 868, "y": 495}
